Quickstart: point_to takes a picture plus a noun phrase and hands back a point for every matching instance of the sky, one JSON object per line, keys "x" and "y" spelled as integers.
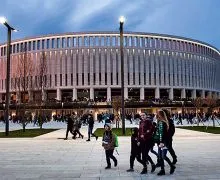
{"x": 196, "y": 19}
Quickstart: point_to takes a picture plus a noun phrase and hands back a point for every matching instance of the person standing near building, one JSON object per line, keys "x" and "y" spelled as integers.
{"x": 90, "y": 127}
{"x": 161, "y": 138}
{"x": 108, "y": 142}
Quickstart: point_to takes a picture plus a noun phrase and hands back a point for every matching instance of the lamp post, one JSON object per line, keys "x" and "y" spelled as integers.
{"x": 4, "y": 22}
{"x": 62, "y": 111}
{"x": 121, "y": 20}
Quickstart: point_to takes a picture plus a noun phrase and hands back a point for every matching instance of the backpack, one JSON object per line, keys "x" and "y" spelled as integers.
{"x": 116, "y": 141}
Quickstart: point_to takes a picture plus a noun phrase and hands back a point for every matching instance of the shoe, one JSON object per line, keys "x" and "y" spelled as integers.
{"x": 82, "y": 136}
{"x": 172, "y": 169}
{"x": 161, "y": 173}
{"x": 88, "y": 140}
{"x": 65, "y": 138}
{"x": 153, "y": 167}
{"x": 144, "y": 171}
{"x": 73, "y": 137}
{"x": 115, "y": 163}
{"x": 174, "y": 161}
{"x": 130, "y": 170}
{"x": 108, "y": 167}
{"x": 96, "y": 138}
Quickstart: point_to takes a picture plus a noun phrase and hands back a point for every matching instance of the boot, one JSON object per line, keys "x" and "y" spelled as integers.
{"x": 115, "y": 163}
{"x": 174, "y": 161}
{"x": 130, "y": 170}
{"x": 172, "y": 169}
{"x": 153, "y": 167}
{"x": 144, "y": 171}
{"x": 161, "y": 173}
{"x": 108, "y": 167}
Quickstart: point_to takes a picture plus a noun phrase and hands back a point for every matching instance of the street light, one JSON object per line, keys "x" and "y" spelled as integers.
{"x": 4, "y": 22}
{"x": 62, "y": 111}
{"x": 122, "y": 20}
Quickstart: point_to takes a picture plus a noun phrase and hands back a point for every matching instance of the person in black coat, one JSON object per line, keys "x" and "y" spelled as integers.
{"x": 69, "y": 126}
{"x": 135, "y": 150}
{"x": 90, "y": 127}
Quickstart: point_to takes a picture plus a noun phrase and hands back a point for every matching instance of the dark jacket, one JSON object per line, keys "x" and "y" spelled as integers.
{"x": 108, "y": 140}
{"x": 91, "y": 121}
{"x": 161, "y": 134}
{"x": 135, "y": 148}
{"x": 147, "y": 129}
{"x": 69, "y": 123}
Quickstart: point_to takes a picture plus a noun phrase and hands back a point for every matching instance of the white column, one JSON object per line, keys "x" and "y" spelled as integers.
{"x": 203, "y": 94}
{"x": 171, "y": 94}
{"x": 183, "y": 93}
{"x": 194, "y": 94}
{"x": 157, "y": 93}
{"x": 141, "y": 93}
{"x": 74, "y": 94}
{"x": 109, "y": 96}
{"x": 126, "y": 93}
{"x": 91, "y": 93}
{"x": 58, "y": 94}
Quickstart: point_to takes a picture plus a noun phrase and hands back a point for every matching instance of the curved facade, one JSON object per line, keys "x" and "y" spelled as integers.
{"x": 87, "y": 65}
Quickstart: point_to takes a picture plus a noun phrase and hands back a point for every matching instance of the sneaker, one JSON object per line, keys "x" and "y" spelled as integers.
{"x": 153, "y": 167}
{"x": 88, "y": 140}
{"x": 161, "y": 173}
{"x": 115, "y": 163}
{"x": 144, "y": 171}
{"x": 172, "y": 169}
{"x": 130, "y": 170}
{"x": 96, "y": 138}
{"x": 108, "y": 167}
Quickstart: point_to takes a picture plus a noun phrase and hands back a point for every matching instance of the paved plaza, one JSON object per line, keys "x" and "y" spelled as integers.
{"x": 48, "y": 157}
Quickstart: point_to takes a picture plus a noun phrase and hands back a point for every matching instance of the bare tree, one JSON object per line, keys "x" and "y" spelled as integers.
{"x": 22, "y": 82}
{"x": 41, "y": 72}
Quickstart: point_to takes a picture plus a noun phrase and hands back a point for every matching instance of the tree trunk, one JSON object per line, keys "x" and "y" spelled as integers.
{"x": 23, "y": 125}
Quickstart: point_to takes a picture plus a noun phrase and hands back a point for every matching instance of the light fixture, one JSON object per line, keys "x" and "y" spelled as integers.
{"x": 121, "y": 19}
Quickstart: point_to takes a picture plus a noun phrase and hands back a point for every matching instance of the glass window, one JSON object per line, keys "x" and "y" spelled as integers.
{"x": 58, "y": 42}
{"x": 86, "y": 41}
{"x": 79, "y": 41}
{"x": 43, "y": 41}
{"x": 91, "y": 41}
{"x": 130, "y": 41}
{"x": 38, "y": 45}
{"x": 135, "y": 41}
{"x": 63, "y": 42}
{"x": 48, "y": 43}
{"x": 102, "y": 41}
{"x": 113, "y": 41}
{"x": 74, "y": 41}
{"x": 108, "y": 41}
{"x": 53, "y": 43}
{"x": 96, "y": 41}
{"x": 29, "y": 46}
{"x": 141, "y": 41}
{"x": 68, "y": 42}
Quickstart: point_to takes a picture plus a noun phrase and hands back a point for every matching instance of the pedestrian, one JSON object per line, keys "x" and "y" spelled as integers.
{"x": 76, "y": 126}
{"x": 146, "y": 131}
{"x": 69, "y": 126}
{"x": 135, "y": 150}
{"x": 108, "y": 142}
{"x": 90, "y": 127}
{"x": 161, "y": 138}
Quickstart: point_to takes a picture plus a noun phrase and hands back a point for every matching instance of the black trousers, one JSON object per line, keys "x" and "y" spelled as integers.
{"x": 145, "y": 148}
{"x": 109, "y": 154}
{"x": 170, "y": 149}
{"x": 69, "y": 129}
{"x": 75, "y": 132}
{"x": 138, "y": 157}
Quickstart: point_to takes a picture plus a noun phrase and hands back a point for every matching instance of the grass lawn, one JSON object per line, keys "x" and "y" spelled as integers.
{"x": 28, "y": 133}
{"x": 213, "y": 130}
{"x": 99, "y": 131}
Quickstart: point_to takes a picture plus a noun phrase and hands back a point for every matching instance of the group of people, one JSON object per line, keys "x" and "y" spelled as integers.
{"x": 74, "y": 124}
{"x": 143, "y": 140}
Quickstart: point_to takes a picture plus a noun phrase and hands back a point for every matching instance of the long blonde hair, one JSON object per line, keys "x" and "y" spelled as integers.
{"x": 165, "y": 120}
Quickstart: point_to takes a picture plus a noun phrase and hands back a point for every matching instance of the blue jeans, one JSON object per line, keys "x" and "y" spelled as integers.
{"x": 162, "y": 153}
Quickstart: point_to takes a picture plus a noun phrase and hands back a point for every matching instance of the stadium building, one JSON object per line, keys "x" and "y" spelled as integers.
{"x": 87, "y": 65}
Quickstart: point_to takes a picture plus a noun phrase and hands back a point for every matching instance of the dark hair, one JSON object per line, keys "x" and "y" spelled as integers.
{"x": 166, "y": 112}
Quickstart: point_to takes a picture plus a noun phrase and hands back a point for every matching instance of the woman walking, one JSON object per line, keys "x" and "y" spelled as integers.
{"x": 161, "y": 138}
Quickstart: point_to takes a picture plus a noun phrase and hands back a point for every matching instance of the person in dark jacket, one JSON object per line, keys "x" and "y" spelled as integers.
{"x": 161, "y": 137}
{"x": 90, "y": 127}
{"x": 171, "y": 133}
{"x": 108, "y": 143}
{"x": 146, "y": 131}
{"x": 69, "y": 126}
{"x": 135, "y": 150}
